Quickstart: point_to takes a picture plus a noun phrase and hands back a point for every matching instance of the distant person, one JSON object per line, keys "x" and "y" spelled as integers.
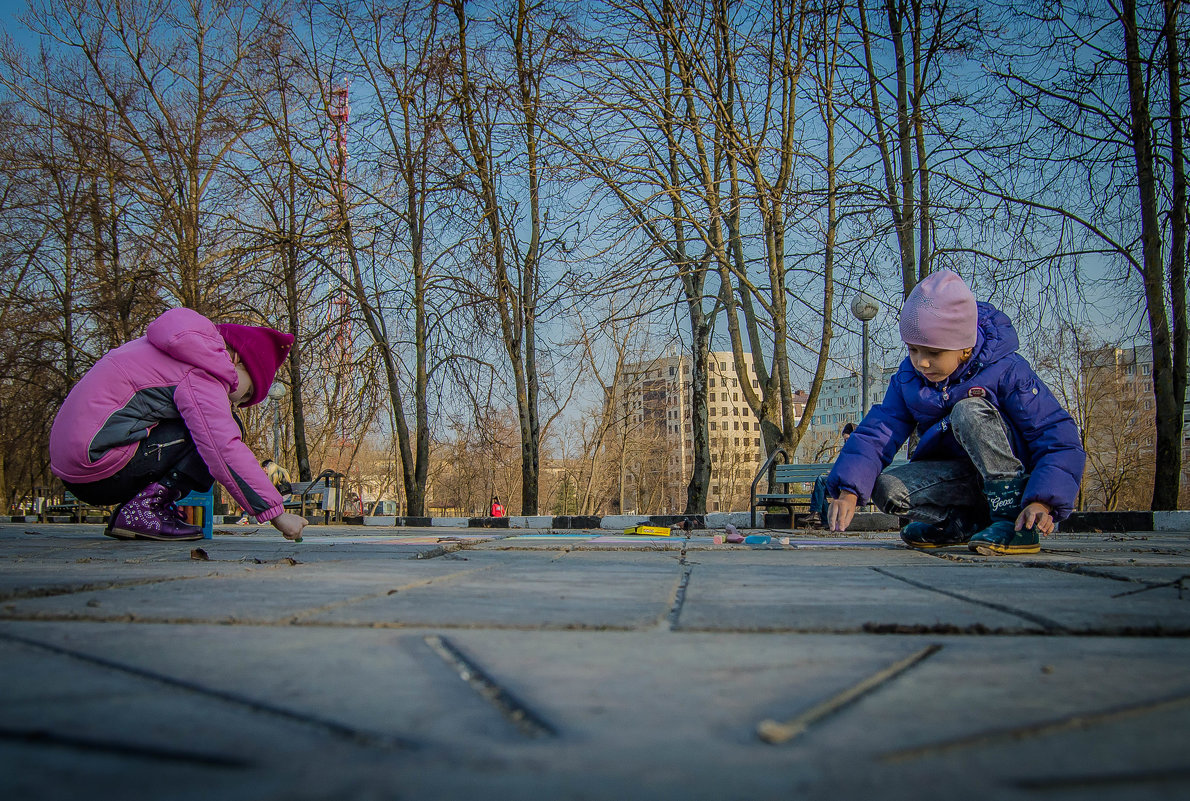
{"x": 278, "y": 475}
{"x": 817, "y": 516}
{"x": 999, "y": 460}
{"x": 497, "y": 508}
{"x": 155, "y": 419}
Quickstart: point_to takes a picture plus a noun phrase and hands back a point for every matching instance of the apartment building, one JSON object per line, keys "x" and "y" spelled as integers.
{"x": 656, "y": 403}
{"x": 1119, "y": 419}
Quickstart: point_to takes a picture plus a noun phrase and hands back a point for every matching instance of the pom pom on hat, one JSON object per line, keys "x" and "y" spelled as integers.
{"x": 262, "y": 350}
{"x": 940, "y": 313}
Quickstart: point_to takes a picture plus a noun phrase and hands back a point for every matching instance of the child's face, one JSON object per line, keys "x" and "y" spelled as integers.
{"x": 243, "y": 391}
{"x": 936, "y": 365}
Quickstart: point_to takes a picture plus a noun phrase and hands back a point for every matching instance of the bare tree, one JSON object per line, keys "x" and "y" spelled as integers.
{"x": 1096, "y": 89}
{"x": 503, "y": 116}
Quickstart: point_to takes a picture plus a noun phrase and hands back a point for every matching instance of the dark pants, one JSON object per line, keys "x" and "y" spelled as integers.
{"x": 927, "y": 490}
{"x": 167, "y": 456}
{"x": 818, "y": 497}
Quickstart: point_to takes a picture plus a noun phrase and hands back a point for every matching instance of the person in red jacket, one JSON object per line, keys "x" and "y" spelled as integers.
{"x": 154, "y": 419}
{"x": 497, "y": 509}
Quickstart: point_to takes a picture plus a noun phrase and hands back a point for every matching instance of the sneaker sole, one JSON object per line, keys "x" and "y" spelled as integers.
{"x": 1005, "y": 550}
{"x": 933, "y": 545}
{"x": 125, "y": 534}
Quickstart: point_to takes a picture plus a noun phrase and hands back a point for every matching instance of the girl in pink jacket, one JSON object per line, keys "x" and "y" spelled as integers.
{"x": 154, "y": 420}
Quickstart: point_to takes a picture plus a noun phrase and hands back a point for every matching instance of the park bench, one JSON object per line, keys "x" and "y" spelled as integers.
{"x": 786, "y": 476}
{"x": 74, "y": 508}
{"x": 324, "y": 494}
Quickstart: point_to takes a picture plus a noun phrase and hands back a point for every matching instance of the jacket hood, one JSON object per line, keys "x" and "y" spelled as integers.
{"x": 189, "y": 337}
{"x": 995, "y": 337}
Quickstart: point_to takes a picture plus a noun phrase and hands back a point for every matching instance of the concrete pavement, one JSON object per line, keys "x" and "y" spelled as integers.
{"x": 415, "y": 664}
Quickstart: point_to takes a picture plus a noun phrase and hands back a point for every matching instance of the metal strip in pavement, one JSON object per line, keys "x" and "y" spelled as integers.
{"x": 528, "y": 722}
{"x": 1079, "y": 720}
{"x": 1050, "y": 626}
{"x": 340, "y": 730}
{"x": 43, "y": 738}
{"x": 775, "y": 732}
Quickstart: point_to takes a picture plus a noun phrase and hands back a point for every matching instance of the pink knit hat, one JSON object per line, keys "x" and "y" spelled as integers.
{"x": 262, "y": 350}
{"x": 940, "y": 313}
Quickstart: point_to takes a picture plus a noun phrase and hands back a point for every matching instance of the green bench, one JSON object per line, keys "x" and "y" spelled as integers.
{"x": 788, "y": 476}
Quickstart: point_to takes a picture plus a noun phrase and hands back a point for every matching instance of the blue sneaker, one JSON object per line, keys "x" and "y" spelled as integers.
{"x": 955, "y": 530}
{"x": 1001, "y": 537}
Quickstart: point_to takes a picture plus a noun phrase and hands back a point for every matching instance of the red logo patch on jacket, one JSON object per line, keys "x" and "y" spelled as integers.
{"x": 977, "y": 392}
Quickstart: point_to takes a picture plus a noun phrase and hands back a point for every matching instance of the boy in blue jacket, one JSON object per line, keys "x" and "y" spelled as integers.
{"x": 998, "y": 461}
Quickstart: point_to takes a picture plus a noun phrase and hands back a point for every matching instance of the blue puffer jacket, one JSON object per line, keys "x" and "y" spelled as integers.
{"x": 1044, "y": 436}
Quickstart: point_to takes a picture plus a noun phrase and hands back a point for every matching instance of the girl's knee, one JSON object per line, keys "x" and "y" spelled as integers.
{"x": 970, "y": 412}
{"x": 890, "y": 494}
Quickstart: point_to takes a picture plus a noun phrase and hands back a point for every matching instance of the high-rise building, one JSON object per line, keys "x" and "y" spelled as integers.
{"x": 656, "y": 405}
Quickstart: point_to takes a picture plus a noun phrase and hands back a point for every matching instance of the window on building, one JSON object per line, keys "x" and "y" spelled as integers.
{"x": 723, "y": 411}
{"x": 756, "y": 427}
{"x": 736, "y": 425}
{"x": 755, "y": 383}
{"x": 712, "y": 382}
{"x": 673, "y": 371}
{"x": 735, "y": 410}
{"x": 757, "y": 443}
{"x": 737, "y": 441}
{"x": 735, "y": 396}
{"x": 712, "y": 425}
{"x": 733, "y": 383}
{"x": 723, "y": 366}
{"x": 712, "y": 410}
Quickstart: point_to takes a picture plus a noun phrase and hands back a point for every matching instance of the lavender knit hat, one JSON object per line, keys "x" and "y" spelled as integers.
{"x": 940, "y": 313}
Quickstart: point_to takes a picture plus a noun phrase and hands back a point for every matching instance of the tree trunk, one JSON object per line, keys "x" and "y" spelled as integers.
{"x": 1169, "y": 410}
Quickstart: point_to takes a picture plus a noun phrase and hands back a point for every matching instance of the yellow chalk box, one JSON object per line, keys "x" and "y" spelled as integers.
{"x": 649, "y": 531}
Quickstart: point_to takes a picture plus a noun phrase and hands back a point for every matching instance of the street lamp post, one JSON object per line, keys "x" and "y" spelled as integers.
{"x": 276, "y": 393}
{"x": 864, "y": 307}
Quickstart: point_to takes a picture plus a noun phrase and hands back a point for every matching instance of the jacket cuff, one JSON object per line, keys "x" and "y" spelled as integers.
{"x": 270, "y": 513}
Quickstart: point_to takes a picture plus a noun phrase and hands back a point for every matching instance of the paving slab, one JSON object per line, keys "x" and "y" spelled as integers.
{"x": 390, "y": 663}
{"x": 1062, "y": 602}
{"x": 532, "y": 590}
{"x": 724, "y": 596}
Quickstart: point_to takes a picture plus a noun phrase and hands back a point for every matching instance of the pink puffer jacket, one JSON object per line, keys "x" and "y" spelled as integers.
{"x": 179, "y": 369}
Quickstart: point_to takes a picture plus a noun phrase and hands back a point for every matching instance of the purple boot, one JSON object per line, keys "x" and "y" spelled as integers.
{"x": 152, "y": 515}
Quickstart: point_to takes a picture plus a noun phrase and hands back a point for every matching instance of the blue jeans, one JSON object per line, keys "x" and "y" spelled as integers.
{"x": 927, "y": 490}
{"x": 818, "y": 497}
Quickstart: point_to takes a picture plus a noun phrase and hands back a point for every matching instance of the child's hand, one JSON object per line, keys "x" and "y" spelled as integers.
{"x": 290, "y": 525}
{"x": 1036, "y": 514}
{"x": 841, "y": 511}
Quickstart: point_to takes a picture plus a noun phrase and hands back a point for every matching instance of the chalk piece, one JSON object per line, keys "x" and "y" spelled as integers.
{"x": 757, "y": 539}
